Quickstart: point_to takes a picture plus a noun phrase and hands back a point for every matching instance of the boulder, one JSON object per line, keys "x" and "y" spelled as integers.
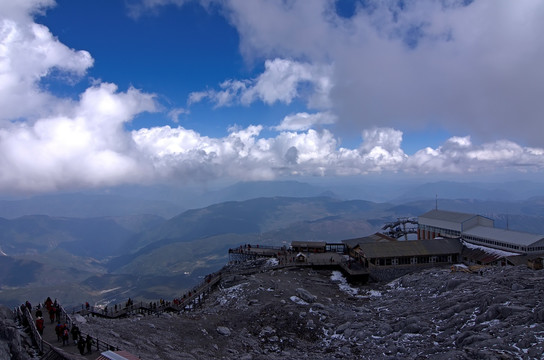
{"x": 223, "y": 330}
{"x": 306, "y": 295}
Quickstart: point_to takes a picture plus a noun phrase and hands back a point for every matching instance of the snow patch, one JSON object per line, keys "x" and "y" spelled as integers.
{"x": 272, "y": 262}
{"x": 489, "y": 250}
{"x": 231, "y": 293}
{"x": 108, "y": 290}
{"x": 396, "y": 285}
{"x": 337, "y": 277}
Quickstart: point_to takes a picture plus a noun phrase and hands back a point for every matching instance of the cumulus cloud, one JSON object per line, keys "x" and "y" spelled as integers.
{"x": 28, "y": 53}
{"x": 86, "y": 148}
{"x": 175, "y": 113}
{"x": 279, "y": 82}
{"x": 468, "y": 66}
{"x": 459, "y": 155}
{"x": 245, "y": 155}
{"x": 305, "y": 121}
{"x": 54, "y": 143}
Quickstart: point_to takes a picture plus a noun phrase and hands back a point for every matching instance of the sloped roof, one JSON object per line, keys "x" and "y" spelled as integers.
{"x": 58, "y": 354}
{"x": 117, "y": 355}
{"x": 480, "y": 255}
{"x": 411, "y": 248}
{"x": 377, "y": 237}
{"x": 309, "y": 244}
{"x": 506, "y": 236}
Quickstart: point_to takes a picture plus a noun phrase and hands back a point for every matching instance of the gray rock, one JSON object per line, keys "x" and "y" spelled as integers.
{"x": 343, "y": 327}
{"x": 223, "y": 330}
{"x": 306, "y": 295}
{"x": 506, "y": 311}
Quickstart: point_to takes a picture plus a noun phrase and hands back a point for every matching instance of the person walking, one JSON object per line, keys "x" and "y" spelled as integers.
{"x": 89, "y": 341}
{"x": 65, "y": 336}
{"x": 52, "y": 311}
{"x": 81, "y": 346}
{"x": 39, "y": 325}
{"x": 59, "y": 330}
{"x": 57, "y": 312}
{"x": 75, "y": 333}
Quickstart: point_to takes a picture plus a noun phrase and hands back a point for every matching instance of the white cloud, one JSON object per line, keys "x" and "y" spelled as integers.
{"x": 279, "y": 82}
{"x": 304, "y": 121}
{"x": 137, "y": 8}
{"x": 86, "y": 148}
{"x": 175, "y": 113}
{"x": 61, "y": 143}
{"x": 459, "y": 155}
{"x": 474, "y": 68}
{"x": 28, "y": 53}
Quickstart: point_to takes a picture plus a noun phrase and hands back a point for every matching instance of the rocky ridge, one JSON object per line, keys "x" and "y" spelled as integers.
{"x": 15, "y": 344}
{"x": 316, "y": 314}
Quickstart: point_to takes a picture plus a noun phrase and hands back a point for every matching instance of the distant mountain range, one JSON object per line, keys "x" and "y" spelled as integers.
{"x": 500, "y": 192}
{"x": 143, "y": 255}
{"x": 169, "y": 201}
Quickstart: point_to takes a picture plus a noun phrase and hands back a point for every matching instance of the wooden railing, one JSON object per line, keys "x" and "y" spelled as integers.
{"x": 26, "y": 319}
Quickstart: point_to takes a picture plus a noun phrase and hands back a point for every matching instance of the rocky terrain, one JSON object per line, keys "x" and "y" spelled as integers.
{"x": 315, "y": 314}
{"x": 15, "y": 343}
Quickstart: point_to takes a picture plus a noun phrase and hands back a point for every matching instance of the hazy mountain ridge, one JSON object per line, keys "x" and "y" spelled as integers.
{"x": 92, "y": 237}
{"x": 486, "y": 191}
{"x": 78, "y": 205}
{"x": 195, "y": 242}
{"x": 169, "y": 201}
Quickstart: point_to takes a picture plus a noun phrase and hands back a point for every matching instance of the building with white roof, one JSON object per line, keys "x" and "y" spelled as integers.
{"x": 477, "y": 229}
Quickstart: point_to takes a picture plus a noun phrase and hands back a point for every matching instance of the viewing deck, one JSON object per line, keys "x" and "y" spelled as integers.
{"x": 287, "y": 258}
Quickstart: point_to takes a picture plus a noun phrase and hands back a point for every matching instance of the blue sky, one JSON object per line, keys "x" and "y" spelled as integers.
{"x": 104, "y": 93}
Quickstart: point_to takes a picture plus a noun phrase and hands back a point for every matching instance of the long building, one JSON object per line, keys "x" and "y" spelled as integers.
{"x": 478, "y": 230}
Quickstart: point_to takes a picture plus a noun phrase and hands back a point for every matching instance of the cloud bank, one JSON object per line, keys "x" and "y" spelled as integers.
{"x": 467, "y": 66}
{"x": 49, "y": 143}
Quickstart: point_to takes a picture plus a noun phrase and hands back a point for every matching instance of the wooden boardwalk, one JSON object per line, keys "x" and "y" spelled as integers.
{"x": 308, "y": 259}
{"x": 49, "y": 343}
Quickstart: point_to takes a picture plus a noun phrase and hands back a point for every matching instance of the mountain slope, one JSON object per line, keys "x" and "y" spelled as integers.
{"x": 264, "y": 220}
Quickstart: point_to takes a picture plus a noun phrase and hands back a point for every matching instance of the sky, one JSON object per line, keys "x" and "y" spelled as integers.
{"x": 97, "y": 94}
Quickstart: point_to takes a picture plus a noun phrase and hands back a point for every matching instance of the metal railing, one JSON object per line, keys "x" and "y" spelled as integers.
{"x": 100, "y": 344}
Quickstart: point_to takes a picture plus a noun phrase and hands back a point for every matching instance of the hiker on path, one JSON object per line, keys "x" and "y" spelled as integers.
{"x": 52, "y": 311}
{"x": 75, "y": 333}
{"x": 81, "y": 346}
{"x": 58, "y": 330}
{"x": 39, "y": 325}
{"x": 89, "y": 341}
{"x": 65, "y": 336}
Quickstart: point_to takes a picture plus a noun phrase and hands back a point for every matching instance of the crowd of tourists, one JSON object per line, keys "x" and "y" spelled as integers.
{"x": 62, "y": 329}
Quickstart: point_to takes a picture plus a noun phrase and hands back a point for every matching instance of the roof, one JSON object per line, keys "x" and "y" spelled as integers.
{"x": 59, "y": 354}
{"x": 480, "y": 255}
{"x": 411, "y": 248}
{"x": 309, "y": 244}
{"x": 444, "y": 215}
{"x": 506, "y": 236}
{"x": 377, "y": 237}
{"x": 117, "y": 355}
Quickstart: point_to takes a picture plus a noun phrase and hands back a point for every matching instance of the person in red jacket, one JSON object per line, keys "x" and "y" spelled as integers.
{"x": 39, "y": 325}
